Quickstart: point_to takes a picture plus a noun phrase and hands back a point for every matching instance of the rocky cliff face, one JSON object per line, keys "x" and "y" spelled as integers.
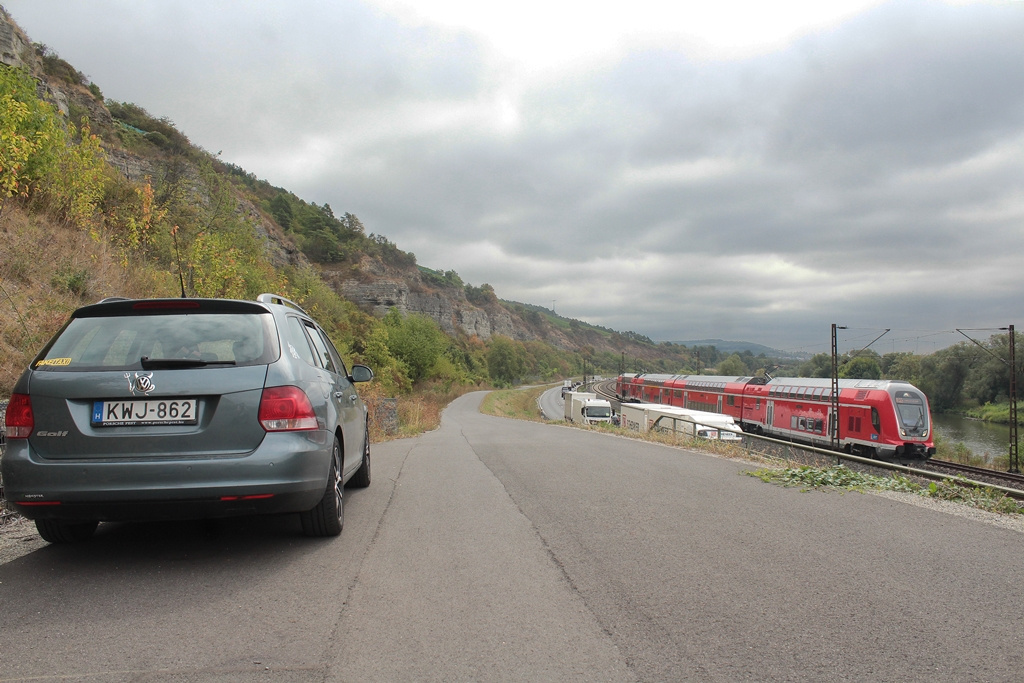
{"x": 378, "y": 289}
{"x": 15, "y": 47}
{"x": 16, "y": 50}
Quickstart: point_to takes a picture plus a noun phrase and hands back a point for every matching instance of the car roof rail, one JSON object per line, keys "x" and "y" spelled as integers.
{"x": 267, "y": 298}
{"x": 108, "y": 299}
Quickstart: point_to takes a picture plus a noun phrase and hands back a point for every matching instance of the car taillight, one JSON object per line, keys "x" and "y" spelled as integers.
{"x": 285, "y": 409}
{"x": 19, "y": 420}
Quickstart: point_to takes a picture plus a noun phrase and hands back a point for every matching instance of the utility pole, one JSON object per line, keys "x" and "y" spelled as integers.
{"x": 1014, "y": 459}
{"x": 834, "y": 418}
{"x": 1014, "y": 462}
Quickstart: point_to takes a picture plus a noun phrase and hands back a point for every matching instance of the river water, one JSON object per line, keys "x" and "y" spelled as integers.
{"x": 983, "y": 438}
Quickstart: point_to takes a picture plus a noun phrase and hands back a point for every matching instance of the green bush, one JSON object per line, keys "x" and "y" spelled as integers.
{"x": 416, "y": 341}
{"x": 31, "y": 137}
{"x": 71, "y": 279}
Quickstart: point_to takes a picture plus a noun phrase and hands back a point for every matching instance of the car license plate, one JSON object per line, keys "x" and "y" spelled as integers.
{"x": 142, "y": 413}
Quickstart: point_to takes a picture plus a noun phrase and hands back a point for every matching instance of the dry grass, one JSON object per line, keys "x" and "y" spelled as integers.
{"x": 520, "y": 404}
{"x": 47, "y": 271}
{"x": 418, "y": 412}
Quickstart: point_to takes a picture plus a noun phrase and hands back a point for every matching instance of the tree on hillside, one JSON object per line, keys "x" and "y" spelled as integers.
{"x": 732, "y": 366}
{"x": 31, "y": 137}
{"x": 820, "y": 365}
{"x": 281, "y": 210}
{"x": 505, "y": 362}
{"x": 988, "y": 380}
{"x": 861, "y": 367}
{"x": 482, "y": 295}
{"x": 416, "y": 341}
{"x": 943, "y": 375}
{"x": 901, "y": 365}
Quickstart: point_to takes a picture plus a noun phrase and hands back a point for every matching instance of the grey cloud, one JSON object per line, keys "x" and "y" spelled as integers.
{"x": 902, "y": 86}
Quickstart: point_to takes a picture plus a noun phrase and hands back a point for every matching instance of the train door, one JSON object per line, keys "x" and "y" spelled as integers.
{"x": 770, "y": 415}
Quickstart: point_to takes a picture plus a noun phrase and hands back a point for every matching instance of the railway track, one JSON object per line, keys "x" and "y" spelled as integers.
{"x": 605, "y": 389}
{"x": 1011, "y": 480}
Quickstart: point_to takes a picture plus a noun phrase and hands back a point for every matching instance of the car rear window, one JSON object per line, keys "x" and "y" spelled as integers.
{"x": 122, "y": 341}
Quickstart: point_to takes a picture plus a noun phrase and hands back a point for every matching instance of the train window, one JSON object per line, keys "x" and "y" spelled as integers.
{"x": 875, "y": 420}
{"x": 817, "y": 393}
{"x": 731, "y": 400}
{"x": 757, "y": 404}
{"x": 792, "y": 392}
{"x": 802, "y": 424}
{"x": 792, "y": 422}
{"x": 819, "y": 426}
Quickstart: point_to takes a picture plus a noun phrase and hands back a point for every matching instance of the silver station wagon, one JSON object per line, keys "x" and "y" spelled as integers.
{"x": 156, "y": 409}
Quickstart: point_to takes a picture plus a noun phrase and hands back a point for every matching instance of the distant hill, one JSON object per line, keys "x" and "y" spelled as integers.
{"x": 741, "y": 346}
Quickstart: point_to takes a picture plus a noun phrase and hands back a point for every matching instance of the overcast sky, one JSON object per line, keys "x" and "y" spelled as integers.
{"x": 686, "y": 170}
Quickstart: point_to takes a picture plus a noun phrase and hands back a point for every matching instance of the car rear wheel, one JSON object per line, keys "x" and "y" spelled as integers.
{"x": 55, "y": 531}
{"x": 328, "y": 517}
{"x": 361, "y": 478}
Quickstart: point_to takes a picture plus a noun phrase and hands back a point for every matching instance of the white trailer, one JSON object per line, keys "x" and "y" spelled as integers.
{"x": 643, "y": 417}
{"x": 584, "y": 407}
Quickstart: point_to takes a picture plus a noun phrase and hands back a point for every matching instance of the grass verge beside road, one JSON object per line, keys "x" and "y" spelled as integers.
{"x": 520, "y": 404}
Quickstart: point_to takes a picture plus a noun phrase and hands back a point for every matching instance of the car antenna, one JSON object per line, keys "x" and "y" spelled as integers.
{"x": 177, "y": 254}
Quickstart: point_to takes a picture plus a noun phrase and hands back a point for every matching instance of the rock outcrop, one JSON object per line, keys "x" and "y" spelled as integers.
{"x": 448, "y": 307}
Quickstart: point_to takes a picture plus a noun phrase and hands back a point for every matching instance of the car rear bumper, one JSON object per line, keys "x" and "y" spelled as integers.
{"x": 287, "y": 473}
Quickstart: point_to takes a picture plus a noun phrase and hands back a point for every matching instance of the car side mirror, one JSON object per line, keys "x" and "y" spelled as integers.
{"x": 361, "y": 373}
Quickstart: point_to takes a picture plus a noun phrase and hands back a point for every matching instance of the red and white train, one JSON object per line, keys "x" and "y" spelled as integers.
{"x": 885, "y": 419}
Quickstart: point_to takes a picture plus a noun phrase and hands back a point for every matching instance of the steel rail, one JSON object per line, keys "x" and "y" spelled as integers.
{"x": 978, "y": 471}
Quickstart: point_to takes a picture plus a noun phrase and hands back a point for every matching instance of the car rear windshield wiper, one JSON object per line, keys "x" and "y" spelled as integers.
{"x": 170, "y": 363}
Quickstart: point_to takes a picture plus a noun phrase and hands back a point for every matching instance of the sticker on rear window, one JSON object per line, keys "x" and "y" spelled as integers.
{"x": 54, "y": 361}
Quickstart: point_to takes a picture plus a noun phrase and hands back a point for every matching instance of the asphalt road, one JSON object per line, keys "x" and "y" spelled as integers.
{"x": 551, "y": 404}
{"x": 504, "y": 550}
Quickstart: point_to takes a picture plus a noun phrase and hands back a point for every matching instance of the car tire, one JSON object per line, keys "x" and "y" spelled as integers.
{"x": 328, "y": 517}
{"x": 56, "y": 531}
{"x": 361, "y": 479}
